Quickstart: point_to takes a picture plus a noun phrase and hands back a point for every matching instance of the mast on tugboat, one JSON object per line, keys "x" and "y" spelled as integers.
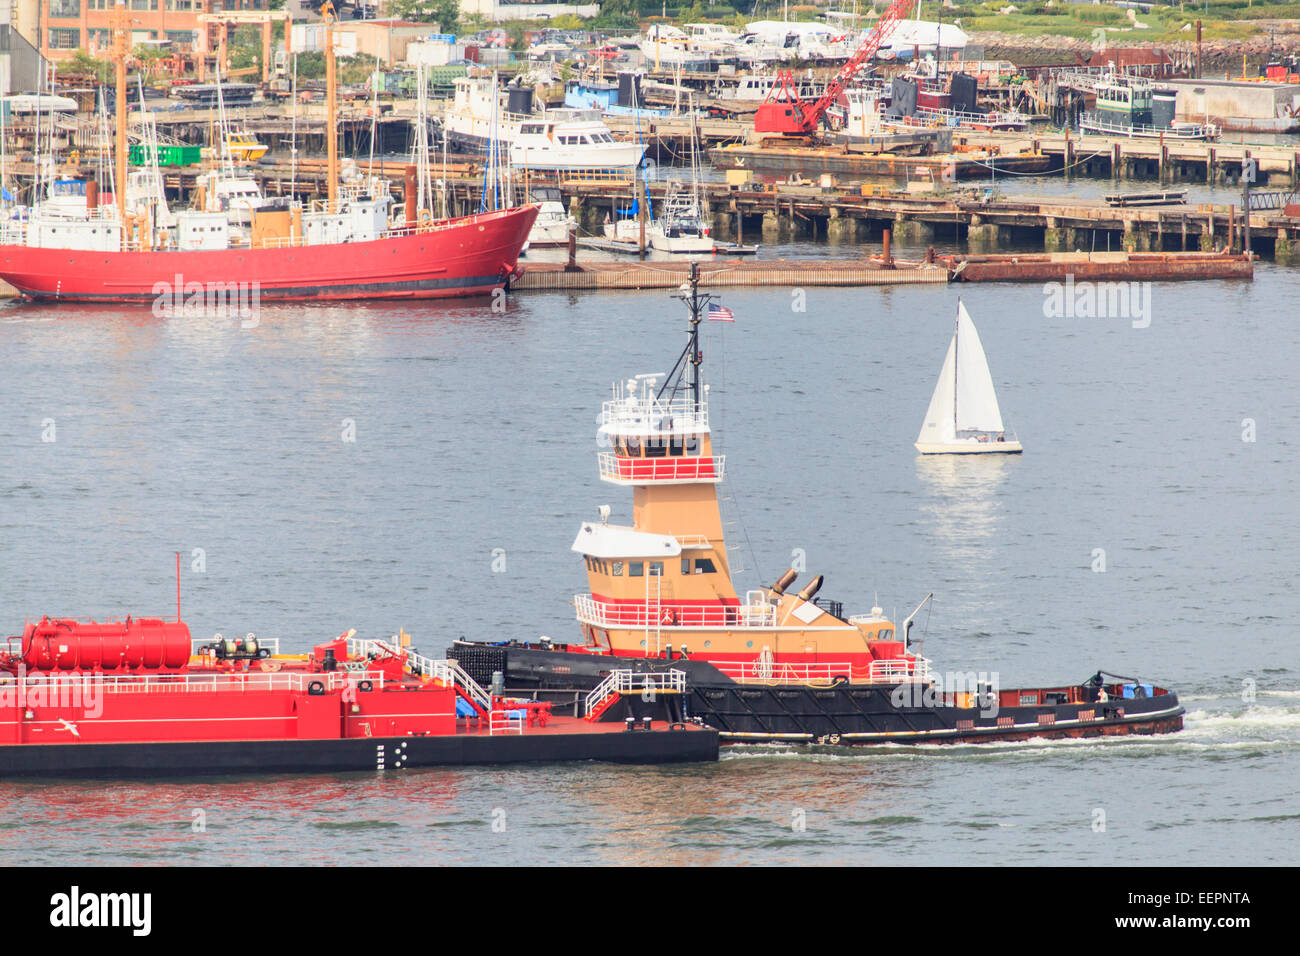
{"x": 691, "y": 355}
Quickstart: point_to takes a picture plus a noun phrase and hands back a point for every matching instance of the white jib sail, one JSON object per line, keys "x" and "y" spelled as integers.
{"x": 940, "y": 426}
{"x": 977, "y": 404}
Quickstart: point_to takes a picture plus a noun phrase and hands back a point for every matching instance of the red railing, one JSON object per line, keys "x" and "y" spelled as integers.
{"x": 661, "y": 469}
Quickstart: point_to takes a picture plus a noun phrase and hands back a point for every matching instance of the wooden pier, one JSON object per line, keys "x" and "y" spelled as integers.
{"x": 726, "y": 273}
{"x": 1162, "y": 160}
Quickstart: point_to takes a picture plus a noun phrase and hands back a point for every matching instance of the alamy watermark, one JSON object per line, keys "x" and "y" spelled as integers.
{"x": 208, "y": 300}
{"x": 1098, "y": 300}
{"x": 967, "y": 689}
{"x": 63, "y": 691}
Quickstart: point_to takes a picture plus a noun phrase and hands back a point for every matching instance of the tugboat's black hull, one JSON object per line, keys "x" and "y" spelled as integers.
{"x": 836, "y": 714}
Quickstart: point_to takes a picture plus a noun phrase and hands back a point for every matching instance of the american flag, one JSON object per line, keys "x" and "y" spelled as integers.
{"x": 719, "y": 313}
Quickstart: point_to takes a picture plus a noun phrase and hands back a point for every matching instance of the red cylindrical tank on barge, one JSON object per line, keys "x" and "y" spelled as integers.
{"x": 134, "y": 644}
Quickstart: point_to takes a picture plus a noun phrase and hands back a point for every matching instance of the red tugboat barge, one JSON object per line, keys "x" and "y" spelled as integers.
{"x": 138, "y": 698}
{"x": 769, "y": 664}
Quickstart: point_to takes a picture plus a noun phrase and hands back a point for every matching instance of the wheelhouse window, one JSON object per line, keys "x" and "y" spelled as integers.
{"x": 656, "y": 447}
{"x": 675, "y": 446}
{"x": 617, "y": 569}
{"x": 686, "y": 565}
{"x": 633, "y": 447}
{"x": 656, "y": 569}
{"x": 692, "y": 444}
{"x": 636, "y": 569}
{"x": 704, "y": 566}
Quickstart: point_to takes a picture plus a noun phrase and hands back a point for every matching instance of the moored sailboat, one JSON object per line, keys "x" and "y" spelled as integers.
{"x": 963, "y": 417}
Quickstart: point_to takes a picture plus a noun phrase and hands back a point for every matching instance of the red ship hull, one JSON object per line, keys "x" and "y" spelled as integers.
{"x": 474, "y": 255}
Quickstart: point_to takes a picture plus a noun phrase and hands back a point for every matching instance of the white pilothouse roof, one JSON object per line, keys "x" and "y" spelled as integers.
{"x": 619, "y": 542}
{"x": 637, "y": 409}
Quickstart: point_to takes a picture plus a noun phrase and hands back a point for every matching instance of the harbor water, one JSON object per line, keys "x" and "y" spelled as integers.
{"x": 379, "y": 466}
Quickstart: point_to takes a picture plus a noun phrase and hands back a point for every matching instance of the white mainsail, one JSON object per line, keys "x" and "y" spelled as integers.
{"x": 963, "y": 397}
{"x": 977, "y": 404}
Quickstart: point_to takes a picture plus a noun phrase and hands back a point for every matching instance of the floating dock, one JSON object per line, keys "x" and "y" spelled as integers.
{"x": 864, "y": 271}
{"x": 1099, "y": 267}
{"x": 720, "y": 273}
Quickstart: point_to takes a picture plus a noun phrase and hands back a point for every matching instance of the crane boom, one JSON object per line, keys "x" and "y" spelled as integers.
{"x": 785, "y": 112}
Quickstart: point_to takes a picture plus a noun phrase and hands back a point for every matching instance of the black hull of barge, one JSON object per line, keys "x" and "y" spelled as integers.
{"x": 792, "y": 713}
{"x": 148, "y": 760}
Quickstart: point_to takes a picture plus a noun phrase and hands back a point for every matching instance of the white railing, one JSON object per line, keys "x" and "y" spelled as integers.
{"x": 449, "y": 672}
{"x": 650, "y": 414}
{"x": 472, "y": 688}
{"x": 900, "y": 670}
{"x": 505, "y": 722}
{"x": 768, "y": 671}
{"x": 616, "y": 468}
{"x": 656, "y": 615}
{"x": 691, "y": 540}
{"x": 300, "y": 681}
{"x": 671, "y": 681}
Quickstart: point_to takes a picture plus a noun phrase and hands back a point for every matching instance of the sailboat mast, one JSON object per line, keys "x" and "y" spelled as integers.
{"x": 956, "y": 361}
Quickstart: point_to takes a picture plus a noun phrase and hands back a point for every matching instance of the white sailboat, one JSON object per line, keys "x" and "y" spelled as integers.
{"x": 964, "y": 417}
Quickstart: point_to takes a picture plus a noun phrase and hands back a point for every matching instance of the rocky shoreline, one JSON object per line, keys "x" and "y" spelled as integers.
{"x": 1218, "y": 56}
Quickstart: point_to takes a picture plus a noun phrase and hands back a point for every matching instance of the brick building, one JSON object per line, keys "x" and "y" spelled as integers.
{"x": 69, "y": 25}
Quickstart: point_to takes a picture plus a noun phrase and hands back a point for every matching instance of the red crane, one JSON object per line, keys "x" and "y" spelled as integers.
{"x": 786, "y": 113}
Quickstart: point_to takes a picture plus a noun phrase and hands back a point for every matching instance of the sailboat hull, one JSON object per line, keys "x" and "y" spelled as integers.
{"x": 970, "y": 448}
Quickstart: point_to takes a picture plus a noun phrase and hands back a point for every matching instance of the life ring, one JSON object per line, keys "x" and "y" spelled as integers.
{"x": 316, "y": 688}
{"x": 365, "y": 685}
{"x": 840, "y": 680}
{"x": 670, "y": 617}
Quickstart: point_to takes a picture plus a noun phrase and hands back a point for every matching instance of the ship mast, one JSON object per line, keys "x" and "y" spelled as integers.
{"x": 691, "y": 356}
{"x": 121, "y": 47}
{"x": 331, "y": 107}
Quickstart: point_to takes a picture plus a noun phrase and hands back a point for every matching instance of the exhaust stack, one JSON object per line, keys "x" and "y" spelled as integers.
{"x": 813, "y": 587}
{"x": 784, "y": 581}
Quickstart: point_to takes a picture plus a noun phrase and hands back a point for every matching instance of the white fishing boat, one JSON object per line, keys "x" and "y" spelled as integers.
{"x": 553, "y": 223}
{"x": 964, "y": 418}
{"x": 682, "y": 225}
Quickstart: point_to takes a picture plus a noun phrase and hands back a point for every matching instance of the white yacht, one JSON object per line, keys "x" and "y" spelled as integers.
{"x": 667, "y": 46}
{"x": 572, "y": 140}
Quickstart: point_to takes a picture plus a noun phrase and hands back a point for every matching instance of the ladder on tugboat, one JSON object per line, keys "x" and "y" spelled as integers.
{"x": 619, "y": 682}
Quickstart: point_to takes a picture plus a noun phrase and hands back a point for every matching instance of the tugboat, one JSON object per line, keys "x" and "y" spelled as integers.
{"x": 140, "y": 698}
{"x": 777, "y": 664}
